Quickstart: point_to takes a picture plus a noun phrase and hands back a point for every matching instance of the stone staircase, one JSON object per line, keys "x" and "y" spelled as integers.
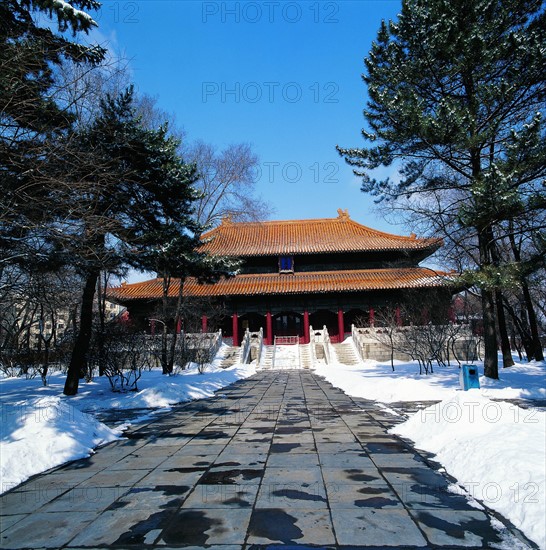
{"x": 266, "y": 361}
{"x": 346, "y": 355}
{"x": 304, "y": 351}
{"x": 305, "y": 356}
{"x": 231, "y": 357}
{"x": 319, "y": 351}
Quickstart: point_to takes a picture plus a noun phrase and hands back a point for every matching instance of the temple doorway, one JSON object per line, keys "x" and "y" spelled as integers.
{"x": 251, "y": 321}
{"x": 323, "y": 317}
{"x": 288, "y": 323}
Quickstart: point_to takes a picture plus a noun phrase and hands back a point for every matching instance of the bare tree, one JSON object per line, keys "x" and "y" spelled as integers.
{"x": 35, "y": 316}
{"x": 226, "y": 181}
{"x": 182, "y": 314}
{"x": 517, "y": 252}
{"x": 122, "y": 353}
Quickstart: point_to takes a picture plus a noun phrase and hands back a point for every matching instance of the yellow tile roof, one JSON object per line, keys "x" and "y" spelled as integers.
{"x": 324, "y": 235}
{"x": 297, "y": 283}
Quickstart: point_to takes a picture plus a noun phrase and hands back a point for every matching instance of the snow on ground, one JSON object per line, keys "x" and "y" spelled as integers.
{"x": 286, "y": 356}
{"x": 373, "y": 380}
{"x": 39, "y": 433}
{"x": 41, "y": 428}
{"x": 495, "y": 449}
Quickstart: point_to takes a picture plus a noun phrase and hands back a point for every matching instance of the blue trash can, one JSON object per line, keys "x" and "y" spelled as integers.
{"x": 469, "y": 377}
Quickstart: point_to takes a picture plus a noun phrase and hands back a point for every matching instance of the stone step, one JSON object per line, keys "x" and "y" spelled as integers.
{"x": 305, "y": 356}
{"x": 304, "y": 351}
{"x": 345, "y": 353}
{"x": 266, "y": 361}
{"x": 231, "y": 357}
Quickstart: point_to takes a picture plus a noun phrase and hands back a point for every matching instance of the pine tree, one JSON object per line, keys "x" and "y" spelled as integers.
{"x": 29, "y": 114}
{"x": 129, "y": 202}
{"x": 456, "y": 89}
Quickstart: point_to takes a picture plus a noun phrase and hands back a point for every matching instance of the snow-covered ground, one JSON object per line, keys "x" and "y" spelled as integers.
{"x": 495, "y": 449}
{"x": 286, "y": 357}
{"x": 373, "y": 380}
{"x": 41, "y": 428}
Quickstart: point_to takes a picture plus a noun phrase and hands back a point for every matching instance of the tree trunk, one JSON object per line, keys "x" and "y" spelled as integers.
{"x": 78, "y": 361}
{"x": 491, "y": 360}
{"x": 101, "y": 336}
{"x": 501, "y": 318}
{"x": 177, "y": 318}
{"x": 507, "y": 360}
{"x": 536, "y": 346}
{"x": 165, "y": 335}
{"x": 521, "y": 327}
{"x": 164, "y": 358}
{"x": 515, "y": 345}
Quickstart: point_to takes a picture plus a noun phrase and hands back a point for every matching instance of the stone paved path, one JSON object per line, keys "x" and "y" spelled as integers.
{"x": 282, "y": 458}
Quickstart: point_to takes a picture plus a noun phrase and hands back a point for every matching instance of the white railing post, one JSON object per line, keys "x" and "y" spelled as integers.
{"x": 357, "y": 341}
{"x": 312, "y": 346}
{"x": 326, "y": 343}
{"x": 217, "y": 342}
{"x": 245, "y": 347}
{"x": 260, "y": 345}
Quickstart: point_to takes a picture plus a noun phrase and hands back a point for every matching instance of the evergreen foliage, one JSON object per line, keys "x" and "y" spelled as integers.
{"x": 30, "y": 116}
{"x": 456, "y": 101}
{"x": 101, "y": 194}
{"x": 130, "y": 202}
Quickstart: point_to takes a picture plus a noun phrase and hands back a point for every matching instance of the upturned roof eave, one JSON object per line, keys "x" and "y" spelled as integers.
{"x": 304, "y": 283}
{"x": 341, "y": 235}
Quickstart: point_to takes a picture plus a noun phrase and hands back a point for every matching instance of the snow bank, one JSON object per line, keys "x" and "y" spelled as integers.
{"x": 162, "y": 391}
{"x": 42, "y": 432}
{"x": 157, "y": 391}
{"x": 377, "y": 381}
{"x": 42, "y": 429}
{"x": 496, "y": 450}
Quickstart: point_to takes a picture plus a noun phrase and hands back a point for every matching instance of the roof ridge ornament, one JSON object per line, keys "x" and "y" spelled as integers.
{"x": 343, "y": 215}
{"x": 227, "y": 220}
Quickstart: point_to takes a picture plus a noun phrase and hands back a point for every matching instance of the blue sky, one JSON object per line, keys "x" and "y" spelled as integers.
{"x": 283, "y": 76}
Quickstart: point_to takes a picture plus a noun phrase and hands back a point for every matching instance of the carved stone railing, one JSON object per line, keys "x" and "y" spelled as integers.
{"x": 319, "y": 338}
{"x": 454, "y": 342}
{"x": 312, "y": 350}
{"x": 203, "y": 340}
{"x": 258, "y": 343}
{"x": 357, "y": 336}
{"x": 326, "y": 344}
{"x": 245, "y": 348}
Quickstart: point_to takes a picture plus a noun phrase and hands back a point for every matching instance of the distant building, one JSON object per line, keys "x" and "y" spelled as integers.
{"x": 303, "y": 273}
{"x": 51, "y": 323}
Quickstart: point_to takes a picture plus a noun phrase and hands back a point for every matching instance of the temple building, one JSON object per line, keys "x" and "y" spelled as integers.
{"x": 295, "y": 274}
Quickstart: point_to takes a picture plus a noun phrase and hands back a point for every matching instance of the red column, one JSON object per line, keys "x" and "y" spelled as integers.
{"x": 372, "y": 317}
{"x": 305, "y": 327}
{"x": 425, "y": 316}
{"x": 235, "y": 320}
{"x": 179, "y": 326}
{"x": 204, "y": 323}
{"x": 398, "y": 317}
{"x": 152, "y": 327}
{"x": 268, "y": 328}
{"x": 340, "y": 325}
